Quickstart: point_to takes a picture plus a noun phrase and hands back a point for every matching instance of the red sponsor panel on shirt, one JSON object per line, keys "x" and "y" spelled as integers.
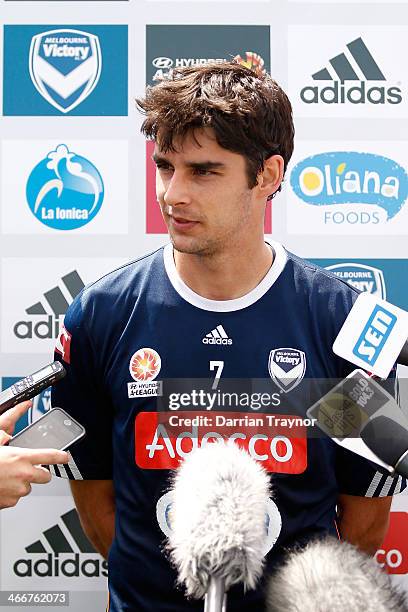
{"x": 164, "y": 439}
{"x": 393, "y": 554}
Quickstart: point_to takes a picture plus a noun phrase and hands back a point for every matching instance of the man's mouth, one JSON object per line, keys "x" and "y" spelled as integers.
{"x": 182, "y": 222}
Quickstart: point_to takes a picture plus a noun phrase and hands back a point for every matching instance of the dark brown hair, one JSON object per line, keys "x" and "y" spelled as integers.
{"x": 249, "y": 113}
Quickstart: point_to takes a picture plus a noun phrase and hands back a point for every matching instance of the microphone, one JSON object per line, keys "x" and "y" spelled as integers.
{"x": 374, "y": 335}
{"x": 220, "y": 499}
{"x": 388, "y": 440}
{"x": 350, "y": 408}
{"x": 332, "y": 575}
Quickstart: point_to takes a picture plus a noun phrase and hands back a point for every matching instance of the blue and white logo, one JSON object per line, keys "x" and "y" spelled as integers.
{"x": 65, "y": 191}
{"x": 362, "y": 277}
{"x": 41, "y": 405}
{"x": 65, "y": 69}
{"x": 348, "y": 177}
{"x": 287, "y": 367}
{"x": 273, "y": 519}
{"x": 374, "y": 335}
{"x": 65, "y": 66}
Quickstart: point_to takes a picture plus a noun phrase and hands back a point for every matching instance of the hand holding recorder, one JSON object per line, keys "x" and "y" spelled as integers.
{"x": 21, "y": 467}
{"x": 22, "y": 457}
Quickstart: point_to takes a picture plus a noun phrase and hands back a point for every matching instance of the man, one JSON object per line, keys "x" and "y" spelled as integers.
{"x": 22, "y": 467}
{"x": 218, "y": 294}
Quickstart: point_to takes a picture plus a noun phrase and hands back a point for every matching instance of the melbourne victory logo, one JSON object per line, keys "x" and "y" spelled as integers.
{"x": 287, "y": 367}
{"x": 65, "y": 66}
{"x": 64, "y": 191}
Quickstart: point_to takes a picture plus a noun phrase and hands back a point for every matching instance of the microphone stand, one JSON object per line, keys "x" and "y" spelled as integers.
{"x": 216, "y": 597}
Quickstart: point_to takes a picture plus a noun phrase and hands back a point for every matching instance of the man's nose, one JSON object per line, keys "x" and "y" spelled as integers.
{"x": 177, "y": 192}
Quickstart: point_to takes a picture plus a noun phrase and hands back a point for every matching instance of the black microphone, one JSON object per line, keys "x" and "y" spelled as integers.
{"x": 389, "y": 441}
{"x": 346, "y": 409}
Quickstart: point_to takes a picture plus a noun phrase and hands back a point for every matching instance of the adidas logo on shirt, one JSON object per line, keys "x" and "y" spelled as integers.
{"x": 217, "y": 335}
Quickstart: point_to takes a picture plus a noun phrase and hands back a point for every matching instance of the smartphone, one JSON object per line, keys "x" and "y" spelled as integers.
{"x": 55, "y": 429}
{"x": 30, "y": 386}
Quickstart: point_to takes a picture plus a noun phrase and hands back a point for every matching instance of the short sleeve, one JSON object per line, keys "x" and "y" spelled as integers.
{"x": 358, "y": 476}
{"x": 81, "y": 394}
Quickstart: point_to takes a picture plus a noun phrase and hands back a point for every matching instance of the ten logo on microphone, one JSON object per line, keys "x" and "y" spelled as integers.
{"x": 374, "y": 335}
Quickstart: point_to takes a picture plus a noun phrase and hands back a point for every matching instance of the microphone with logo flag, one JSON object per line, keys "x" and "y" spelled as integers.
{"x": 220, "y": 499}
{"x": 374, "y": 336}
{"x": 332, "y": 575}
{"x": 353, "y": 414}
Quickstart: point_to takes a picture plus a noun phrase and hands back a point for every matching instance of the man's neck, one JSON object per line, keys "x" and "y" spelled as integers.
{"x": 225, "y": 276}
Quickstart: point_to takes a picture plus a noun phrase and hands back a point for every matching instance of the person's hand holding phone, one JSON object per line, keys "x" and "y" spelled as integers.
{"x": 22, "y": 467}
{"x": 9, "y": 419}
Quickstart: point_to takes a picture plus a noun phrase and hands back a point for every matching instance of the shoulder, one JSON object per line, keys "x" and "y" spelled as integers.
{"x": 320, "y": 301}
{"x": 115, "y": 291}
{"x": 320, "y": 285}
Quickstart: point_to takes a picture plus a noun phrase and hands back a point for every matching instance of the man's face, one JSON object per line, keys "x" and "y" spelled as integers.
{"x": 203, "y": 194}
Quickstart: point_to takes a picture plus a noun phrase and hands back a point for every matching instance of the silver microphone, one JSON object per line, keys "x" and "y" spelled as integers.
{"x": 329, "y": 575}
{"x": 220, "y": 498}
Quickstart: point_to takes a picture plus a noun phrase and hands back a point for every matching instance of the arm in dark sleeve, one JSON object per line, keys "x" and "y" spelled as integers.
{"x": 81, "y": 394}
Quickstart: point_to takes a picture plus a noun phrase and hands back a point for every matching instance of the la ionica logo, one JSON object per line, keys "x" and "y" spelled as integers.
{"x": 342, "y": 191}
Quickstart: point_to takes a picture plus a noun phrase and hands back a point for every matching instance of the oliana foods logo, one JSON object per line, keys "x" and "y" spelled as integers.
{"x": 337, "y": 178}
{"x": 65, "y": 190}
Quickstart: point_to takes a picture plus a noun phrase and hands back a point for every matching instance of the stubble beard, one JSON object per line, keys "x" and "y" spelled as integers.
{"x": 213, "y": 246}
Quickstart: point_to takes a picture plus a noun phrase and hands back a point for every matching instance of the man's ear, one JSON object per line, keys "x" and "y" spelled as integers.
{"x": 270, "y": 178}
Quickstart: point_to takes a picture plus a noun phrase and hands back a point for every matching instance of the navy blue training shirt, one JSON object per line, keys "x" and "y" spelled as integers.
{"x": 139, "y": 326}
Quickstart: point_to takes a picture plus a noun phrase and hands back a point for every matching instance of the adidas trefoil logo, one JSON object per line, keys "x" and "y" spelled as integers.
{"x": 359, "y": 66}
{"x": 218, "y": 335}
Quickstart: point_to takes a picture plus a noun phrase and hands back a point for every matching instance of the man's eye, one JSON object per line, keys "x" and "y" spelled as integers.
{"x": 163, "y": 167}
{"x": 203, "y": 172}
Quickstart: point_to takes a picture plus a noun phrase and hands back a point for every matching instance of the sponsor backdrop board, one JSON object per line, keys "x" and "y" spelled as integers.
{"x": 347, "y": 71}
{"x": 348, "y": 191}
{"x": 64, "y": 185}
{"x": 64, "y": 69}
{"x": 35, "y": 296}
{"x": 77, "y": 188}
{"x": 381, "y": 277}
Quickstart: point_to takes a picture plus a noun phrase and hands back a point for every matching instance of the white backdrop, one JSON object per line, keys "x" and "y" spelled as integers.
{"x": 126, "y": 43}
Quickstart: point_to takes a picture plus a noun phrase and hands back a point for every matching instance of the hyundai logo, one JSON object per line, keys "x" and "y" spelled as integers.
{"x": 162, "y": 62}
